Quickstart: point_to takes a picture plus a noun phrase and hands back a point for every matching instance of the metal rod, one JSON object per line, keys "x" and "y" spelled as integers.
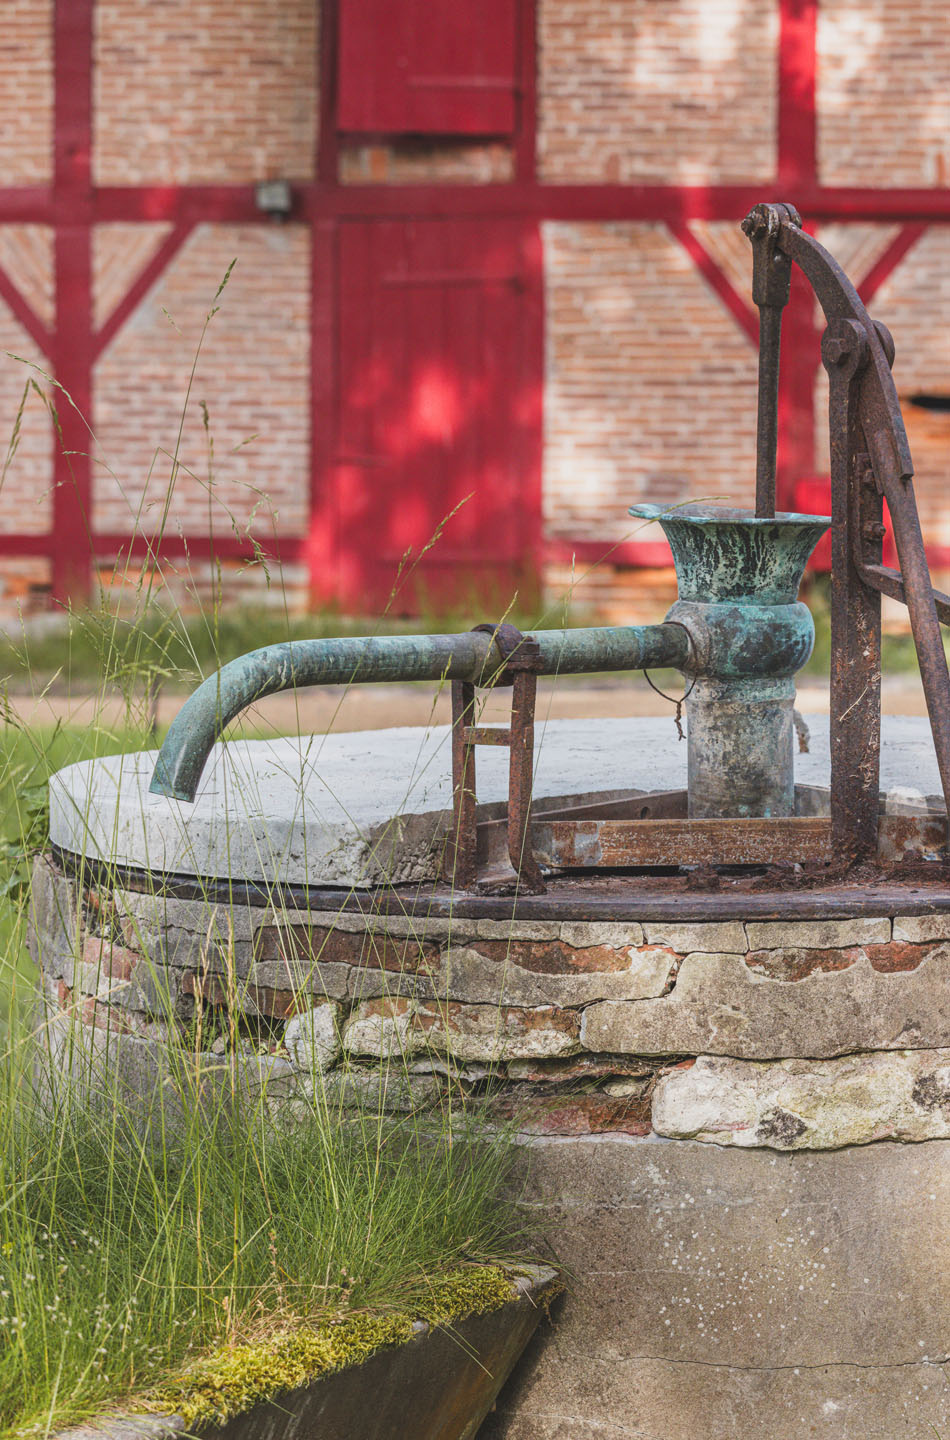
{"x": 472, "y": 656}
{"x": 766, "y": 436}
{"x": 771, "y": 279}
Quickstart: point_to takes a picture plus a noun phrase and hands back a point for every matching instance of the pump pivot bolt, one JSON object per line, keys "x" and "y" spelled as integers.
{"x": 836, "y": 350}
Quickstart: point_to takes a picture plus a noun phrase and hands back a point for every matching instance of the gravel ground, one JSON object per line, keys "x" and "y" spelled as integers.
{"x": 377, "y": 707}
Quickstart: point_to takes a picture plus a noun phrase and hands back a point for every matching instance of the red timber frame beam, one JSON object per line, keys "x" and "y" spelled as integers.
{"x": 73, "y": 204}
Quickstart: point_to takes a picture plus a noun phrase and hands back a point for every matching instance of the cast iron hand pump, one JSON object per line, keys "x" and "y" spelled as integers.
{"x": 870, "y": 462}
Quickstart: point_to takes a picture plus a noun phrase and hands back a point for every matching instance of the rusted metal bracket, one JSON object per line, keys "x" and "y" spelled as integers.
{"x": 870, "y": 461}
{"x": 522, "y": 659}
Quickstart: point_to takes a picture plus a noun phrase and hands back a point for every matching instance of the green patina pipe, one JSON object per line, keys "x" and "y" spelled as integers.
{"x": 377, "y": 658}
{"x": 739, "y": 577}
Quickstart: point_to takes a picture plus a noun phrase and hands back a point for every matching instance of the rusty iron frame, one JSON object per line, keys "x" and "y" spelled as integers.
{"x": 870, "y": 462}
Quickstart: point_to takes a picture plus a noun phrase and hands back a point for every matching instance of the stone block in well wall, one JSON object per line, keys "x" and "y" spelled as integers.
{"x": 807, "y": 1104}
{"x": 720, "y": 1006}
{"x": 55, "y": 918}
{"x": 549, "y": 972}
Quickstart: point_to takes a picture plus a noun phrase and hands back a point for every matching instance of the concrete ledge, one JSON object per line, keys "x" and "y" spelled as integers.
{"x": 374, "y": 807}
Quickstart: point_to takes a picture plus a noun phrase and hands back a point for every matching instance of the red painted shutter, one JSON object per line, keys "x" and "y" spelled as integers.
{"x": 427, "y": 67}
{"x": 437, "y": 473}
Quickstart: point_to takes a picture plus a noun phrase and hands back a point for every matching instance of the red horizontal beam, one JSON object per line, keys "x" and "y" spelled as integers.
{"x": 186, "y": 203}
{"x": 26, "y": 204}
{"x": 674, "y": 204}
{"x": 198, "y": 547}
{"x": 13, "y": 544}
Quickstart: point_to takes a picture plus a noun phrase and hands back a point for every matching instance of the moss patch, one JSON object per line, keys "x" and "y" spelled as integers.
{"x": 232, "y": 1379}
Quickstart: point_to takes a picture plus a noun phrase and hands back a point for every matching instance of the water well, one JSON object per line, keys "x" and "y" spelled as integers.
{"x": 713, "y": 979}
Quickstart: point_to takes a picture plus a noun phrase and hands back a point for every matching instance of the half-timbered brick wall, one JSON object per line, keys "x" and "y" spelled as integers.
{"x": 510, "y": 293}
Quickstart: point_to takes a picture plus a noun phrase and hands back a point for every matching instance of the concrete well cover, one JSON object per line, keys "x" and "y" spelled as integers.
{"x": 375, "y": 806}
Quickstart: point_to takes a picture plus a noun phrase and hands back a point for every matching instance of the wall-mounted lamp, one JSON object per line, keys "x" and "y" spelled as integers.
{"x": 273, "y": 197}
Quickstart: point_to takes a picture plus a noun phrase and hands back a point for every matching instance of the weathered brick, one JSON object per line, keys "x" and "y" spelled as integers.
{"x": 553, "y": 957}
{"x": 54, "y": 917}
{"x": 301, "y": 946}
{"x": 383, "y": 1027}
{"x": 104, "y": 958}
{"x": 808, "y": 1104}
{"x": 331, "y": 981}
{"x": 898, "y": 956}
{"x": 595, "y": 934}
{"x": 547, "y": 972}
{"x": 465, "y": 1032}
{"x": 512, "y": 930}
{"x": 593, "y": 1114}
{"x": 101, "y": 1016}
{"x": 247, "y": 999}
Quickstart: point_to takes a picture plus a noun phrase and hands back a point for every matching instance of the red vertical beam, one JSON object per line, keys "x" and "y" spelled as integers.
{"x": 72, "y": 348}
{"x": 797, "y": 107}
{"x": 527, "y": 107}
{"x": 321, "y": 547}
{"x": 532, "y": 415}
{"x": 532, "y": 407}
{"x": 797, "y": 169}
{"x": 326, "y": 148}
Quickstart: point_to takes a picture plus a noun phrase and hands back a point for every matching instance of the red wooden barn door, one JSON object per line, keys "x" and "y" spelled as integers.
{"x": 439, "y": 427}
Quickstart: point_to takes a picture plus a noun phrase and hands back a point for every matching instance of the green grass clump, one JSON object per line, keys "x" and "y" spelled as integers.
{"x": 238, "y": 1376}
{"x": 126, "y": 1253}
{"x": 130, "y": 1251}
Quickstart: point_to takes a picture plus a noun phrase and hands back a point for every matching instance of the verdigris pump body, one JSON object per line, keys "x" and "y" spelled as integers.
{"x": 749, "y": 634}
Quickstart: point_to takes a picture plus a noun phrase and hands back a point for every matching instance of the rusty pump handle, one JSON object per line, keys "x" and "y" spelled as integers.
{"x": 771, "y": 283}
{"x": 870, "y": 458}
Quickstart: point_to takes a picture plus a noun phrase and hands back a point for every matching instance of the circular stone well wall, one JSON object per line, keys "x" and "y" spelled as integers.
{"x": 735, "y": 1106}
{"x": 716, "y": 1116}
